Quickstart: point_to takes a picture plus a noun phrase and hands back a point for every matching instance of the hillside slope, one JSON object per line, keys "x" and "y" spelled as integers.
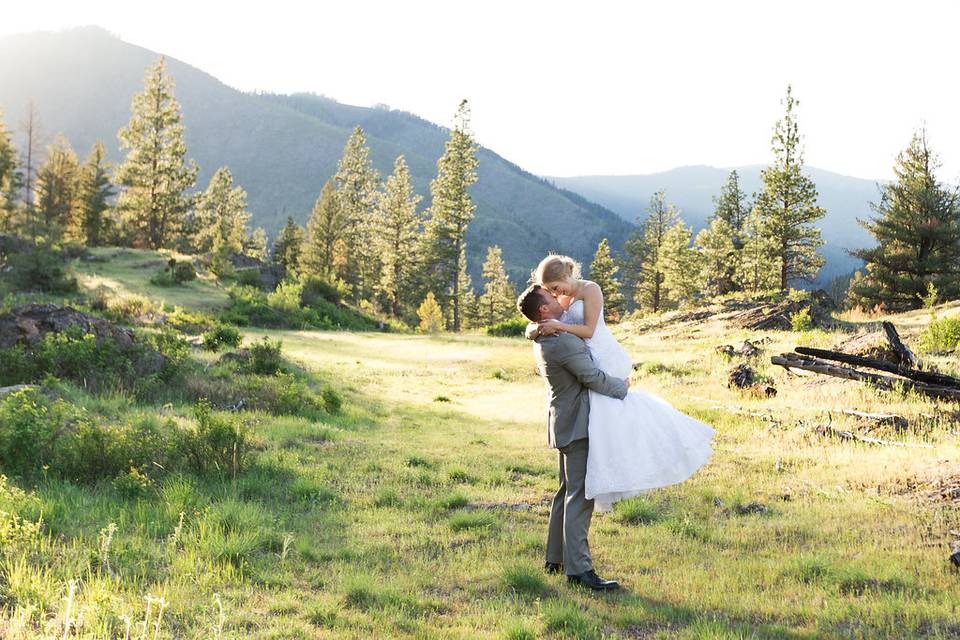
{"x": 282, "y": 149}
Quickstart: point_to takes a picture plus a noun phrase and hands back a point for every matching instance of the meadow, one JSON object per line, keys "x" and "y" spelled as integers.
{"x": 418, "y": 508}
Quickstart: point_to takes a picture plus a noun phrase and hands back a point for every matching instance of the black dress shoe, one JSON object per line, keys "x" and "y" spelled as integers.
{"x": 552, "y": 567}
{"x": 592, "y": 580}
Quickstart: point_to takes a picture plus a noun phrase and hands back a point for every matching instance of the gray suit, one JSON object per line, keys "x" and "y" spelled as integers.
{"x": 564, "y": 361}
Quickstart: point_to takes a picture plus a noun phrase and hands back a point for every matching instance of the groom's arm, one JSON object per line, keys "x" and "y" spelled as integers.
{"x": 574, "y": 356}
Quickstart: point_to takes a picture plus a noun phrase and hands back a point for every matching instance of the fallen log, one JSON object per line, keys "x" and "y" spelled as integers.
{"x": 906, "y": 356}
{"x": 929, "y": 377}
{"x": 794, "y": 361}
{"x": 827, "y": 430}
{"x": 880, "y": 419}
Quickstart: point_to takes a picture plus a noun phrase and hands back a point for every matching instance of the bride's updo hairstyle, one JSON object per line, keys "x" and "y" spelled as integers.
{"x": 555, "y": 268}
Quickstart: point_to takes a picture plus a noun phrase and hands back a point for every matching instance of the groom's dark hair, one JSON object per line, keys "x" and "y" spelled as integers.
{"x": 530, "y": 300}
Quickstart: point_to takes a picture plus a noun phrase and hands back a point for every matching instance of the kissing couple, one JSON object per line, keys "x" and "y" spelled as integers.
{"x": 613, "y": 442}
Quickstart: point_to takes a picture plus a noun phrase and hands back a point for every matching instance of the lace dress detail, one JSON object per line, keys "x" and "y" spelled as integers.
{"x": 638, "y": 443}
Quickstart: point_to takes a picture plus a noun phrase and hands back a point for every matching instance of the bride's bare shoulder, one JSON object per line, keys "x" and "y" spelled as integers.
{"x": 591, "y": 291}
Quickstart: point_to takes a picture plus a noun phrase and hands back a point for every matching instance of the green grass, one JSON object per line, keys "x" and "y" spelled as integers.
{"x": 404, "y": 517}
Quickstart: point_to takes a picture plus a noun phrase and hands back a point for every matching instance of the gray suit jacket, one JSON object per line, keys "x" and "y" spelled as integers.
{"x": 564, "y": 361}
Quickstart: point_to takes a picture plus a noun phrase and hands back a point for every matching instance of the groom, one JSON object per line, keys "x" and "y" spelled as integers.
{"x": 564, "y": 361}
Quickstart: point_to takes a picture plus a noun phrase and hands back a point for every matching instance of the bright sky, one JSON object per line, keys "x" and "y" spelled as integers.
{"x": 574, "y": 87}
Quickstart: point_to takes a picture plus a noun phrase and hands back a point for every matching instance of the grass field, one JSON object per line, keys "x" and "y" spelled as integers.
{"x": 420, "y": 512}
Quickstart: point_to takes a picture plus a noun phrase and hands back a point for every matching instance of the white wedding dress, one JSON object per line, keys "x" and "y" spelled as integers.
{"x": 638, "y": 443}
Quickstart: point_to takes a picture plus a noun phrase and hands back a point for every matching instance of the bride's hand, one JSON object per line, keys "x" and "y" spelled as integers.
{"x": 550, "y": 327}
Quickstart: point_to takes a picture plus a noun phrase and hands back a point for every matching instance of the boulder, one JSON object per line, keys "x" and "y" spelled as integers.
{"x": 29, "y": 323}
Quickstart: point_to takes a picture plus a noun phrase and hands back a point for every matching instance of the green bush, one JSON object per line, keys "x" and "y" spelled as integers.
{"x": 219, "y": 442}
{"x": 801, "y": 320}
{"x": 283, "y": 308}
{"x": 513, "y": 328}
{"x": 941, "y": 335}
{"x": 176, "y": 272}
{"x": 315, "y": 288}
{"x": 265, "y": 357}
{"x": 248, "y": 277}
{"x": 96, "y": 364}
{"x": 221, "y": 335}
{"x": 42, "y": 269}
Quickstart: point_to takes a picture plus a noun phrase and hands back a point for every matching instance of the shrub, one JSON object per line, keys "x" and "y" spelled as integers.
{"x": 315, "y": 288}
{"x": 176, "y": 272}
{"x": 42, "y": 269}
{"x": 941, "y": 335}
{"x": 430, "y": 314}
{"x": 221, "y": 335}
{"x": 249, "y": 277}
{"x": 264, "y": 357}
{"x": 513, "y": 328}
{"x": 801, "y": 320}
{"x": 219, "y": 441}
{"x": 282, "y": 308}
{"x": 189, "y": 322}
{"x": 129, "y": 308}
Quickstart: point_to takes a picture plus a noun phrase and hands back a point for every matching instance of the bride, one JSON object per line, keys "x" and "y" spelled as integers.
{"x": 638, "y": 443}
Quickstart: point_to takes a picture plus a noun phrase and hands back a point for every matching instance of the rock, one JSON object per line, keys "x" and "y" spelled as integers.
{"x": 741, "y": 376}
{"x": 725, "y": 350}
{"x": 29, "y": 323}
{"x": 748, "y": 349}
{"x": 872, "y": 345}
{"x": 5, "y": 391}
{"x": 751, "y": 508}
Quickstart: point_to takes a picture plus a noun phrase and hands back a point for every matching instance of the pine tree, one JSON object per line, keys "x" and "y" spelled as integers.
{"x": 398, "y": 236}
{"x": 732, "y": 207}
{"x": 431, "y": 316}
{"x": 155, "y": 175}
{"x": 603, "y": 271}
{"x": 356, "y": 193}
{"x": 56, "y": 191}
{"x": 788, "y": 204}
{"x": 255, "y": 245}
{"x": 93, "y": 224}
{"x": 681, "y": 264}
{"x": 288, "y": 246}
{"x": 717, "y": 247}
{"x": 649, "y": 241}
{"x": 917, "y": 228}
{"x": 221, "y": 216}
{"x": 10, "y": 178}
{"x": 498, "y": 302}
{"x": 325, "y": 252}
{"x": 758, "y": 268}
{"x": 451, "y": 211}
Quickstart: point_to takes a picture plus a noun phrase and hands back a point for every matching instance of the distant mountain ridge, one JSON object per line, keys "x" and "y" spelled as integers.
{"x": 693, "y": 188}
{"x": 282, "y": 148}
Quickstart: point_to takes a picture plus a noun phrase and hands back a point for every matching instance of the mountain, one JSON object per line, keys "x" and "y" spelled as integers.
{"x": 281, "y": 149}
{"x": 693, "y": 188}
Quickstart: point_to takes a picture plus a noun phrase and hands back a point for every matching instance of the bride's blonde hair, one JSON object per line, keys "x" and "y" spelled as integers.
{"x": 554, "y": 268}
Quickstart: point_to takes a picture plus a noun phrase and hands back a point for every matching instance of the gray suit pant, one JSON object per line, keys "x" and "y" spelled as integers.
{"x": 571, "y": 512}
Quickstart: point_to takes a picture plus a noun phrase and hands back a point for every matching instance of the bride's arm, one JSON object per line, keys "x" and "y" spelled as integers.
{"x": 592, "y": 304}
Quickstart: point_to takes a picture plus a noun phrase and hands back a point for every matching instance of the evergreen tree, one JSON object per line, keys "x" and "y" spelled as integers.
{"x": 498, "y": 302}
{"x": 451, "y": 211}
{"x": 431, "y": 316}
{"x": 758, "y": 268}
{"x": 221, "y": 216}
{"x": 788, "y": 204}
{"x": 399, "y": 234}
{"x": 661, "y": 217}
{"x": 356, "y": 193}
{"x": 917, "y": 228}
{"x": 155, "y": 175}
{"x": 681, "y": 264}
{"x": 288, "y": 246}
{"x": 55, "y": 192}
{"x": 603, "y": 271}
{"x": 10, "y": 178}
{"x": 732, "y": 207}
{"x": 93, "y": 224}
{"x": 717, "y": 247}
{"x": 325, "y": 250}
{"x": 255, "y": 245}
